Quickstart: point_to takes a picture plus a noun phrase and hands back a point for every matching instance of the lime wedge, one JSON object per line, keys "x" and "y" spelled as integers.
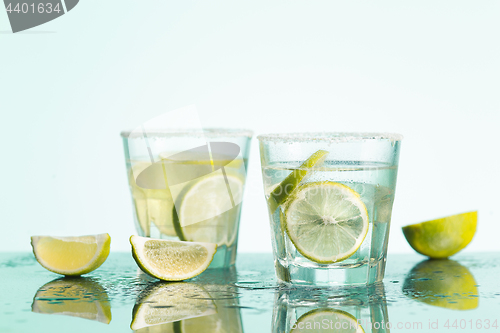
{"x": 326, "y": 221}
{"x": 284, "y": 189}
{"x": 171, "y": 260}
{"x": 335, "y": 320}
{"x": 71, "y": 256}
{"x": 168, "y": 303}
{"x": 443, "y": 237}
{"x": 78, "y": 297}
{"x": 208, "y": 201}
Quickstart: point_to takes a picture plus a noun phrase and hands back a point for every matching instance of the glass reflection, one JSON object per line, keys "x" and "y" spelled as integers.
{"x": 78, "y": 297}
{"x": 187, "y": 307}
{"x": 444, "y": 283}
{"x": 346, "y": 310}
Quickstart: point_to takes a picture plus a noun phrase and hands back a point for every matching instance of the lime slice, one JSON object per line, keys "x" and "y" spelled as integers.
{"x": 71, "y": 256}
{"x": 284, "y": 189}
{"x": 80, "y": 297}
{"x": 443, "y": 237}
{"x": 326, "y": 319}
{"x": 167, "y": 303}
{"x": 326, "y": 221}
{"x": 171, "y": 260}
{"x": 209, "y": 197}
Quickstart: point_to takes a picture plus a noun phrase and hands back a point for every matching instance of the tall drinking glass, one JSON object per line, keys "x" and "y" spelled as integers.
{"x": 330, "y": 199}
{"x": 188, "y": 185}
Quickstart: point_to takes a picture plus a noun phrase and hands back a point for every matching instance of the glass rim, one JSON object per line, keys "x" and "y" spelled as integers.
{"x": 179, "y": 132}
{"x": 329, "y": 136}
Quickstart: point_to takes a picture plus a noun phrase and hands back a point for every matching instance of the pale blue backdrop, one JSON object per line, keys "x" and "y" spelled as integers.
{"x": 427, "y": 69}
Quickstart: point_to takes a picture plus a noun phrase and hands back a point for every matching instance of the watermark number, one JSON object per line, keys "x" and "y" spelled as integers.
{"x": 471, "y": 324}
{"x": 31, "y": 8}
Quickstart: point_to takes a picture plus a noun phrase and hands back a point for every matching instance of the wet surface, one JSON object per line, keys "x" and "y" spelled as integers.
{"x": 417, "y": 295}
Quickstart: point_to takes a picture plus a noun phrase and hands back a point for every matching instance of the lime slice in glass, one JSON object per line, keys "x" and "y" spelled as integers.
{"x": 209, "y": 197}
{"x": 326, "y": 221}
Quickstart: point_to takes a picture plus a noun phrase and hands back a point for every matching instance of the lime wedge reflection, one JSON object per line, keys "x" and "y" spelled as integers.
{"x": 166, "y": 303}
{"x": 78, "y": 297}
{"x": 444, "y": 283}
{"x": 226, "y": 320}
{"x": 187, "y": 308}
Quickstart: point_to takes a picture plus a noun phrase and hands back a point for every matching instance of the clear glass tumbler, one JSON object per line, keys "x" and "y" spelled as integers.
{"x": 330, "y": 198}
{"x": 188, "y": 185}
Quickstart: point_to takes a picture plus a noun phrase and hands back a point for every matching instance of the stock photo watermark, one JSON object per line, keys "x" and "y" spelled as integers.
{"x": 26, "y": 14}
{"x": 451, "y": 324}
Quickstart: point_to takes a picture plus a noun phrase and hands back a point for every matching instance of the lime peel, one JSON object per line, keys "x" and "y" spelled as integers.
{"x": 284, "y": 189}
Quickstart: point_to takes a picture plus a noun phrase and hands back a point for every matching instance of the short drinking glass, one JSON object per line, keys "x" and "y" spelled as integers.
{"x": 330, "y": 198}
{"x": 188, "y": 185}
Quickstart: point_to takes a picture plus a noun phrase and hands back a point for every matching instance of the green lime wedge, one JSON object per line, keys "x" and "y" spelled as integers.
{"x": 171, "y": 260}
{"x": 281, "y": 192}
{"x": 442, "y": 238}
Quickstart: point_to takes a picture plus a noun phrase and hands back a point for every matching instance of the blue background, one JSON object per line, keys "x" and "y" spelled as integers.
{"x": 429, "y": 70}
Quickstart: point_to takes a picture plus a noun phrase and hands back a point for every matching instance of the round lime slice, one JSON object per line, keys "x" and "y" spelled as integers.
{"x": 209, "y": 197}
{"x": 326, "y": 221}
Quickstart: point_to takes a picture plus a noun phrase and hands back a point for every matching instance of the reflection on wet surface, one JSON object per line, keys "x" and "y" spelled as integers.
{"x": 164, "y": 302}
{"x": 444, "y": 283}
{"x": 190, "y": 307}
{"x": 245, "y": 299}
{"x": 357, "y": 309}
{"x": 77, "y": 297}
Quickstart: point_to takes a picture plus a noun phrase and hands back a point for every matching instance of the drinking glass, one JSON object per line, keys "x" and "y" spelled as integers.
{"x": 188, "y": 185}
{"x": 330, "y": 198}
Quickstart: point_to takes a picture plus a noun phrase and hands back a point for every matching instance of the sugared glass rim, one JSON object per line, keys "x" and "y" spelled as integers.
{"x": 179, "y": 132}
{"x": 329, "y": 137}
